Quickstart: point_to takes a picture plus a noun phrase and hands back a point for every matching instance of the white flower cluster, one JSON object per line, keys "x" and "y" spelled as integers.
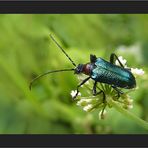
{"x": 128, "y": 102}
{"x": 137, "y": 72}
{"x": 87, "y": 104}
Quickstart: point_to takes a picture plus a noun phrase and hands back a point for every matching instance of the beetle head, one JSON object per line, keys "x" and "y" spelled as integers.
{"x": 79, "y": 69}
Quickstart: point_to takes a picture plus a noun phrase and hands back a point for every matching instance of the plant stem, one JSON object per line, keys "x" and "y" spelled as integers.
{"x": 128, "y": 114}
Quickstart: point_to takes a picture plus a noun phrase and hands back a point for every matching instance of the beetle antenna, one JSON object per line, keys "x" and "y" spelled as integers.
{"x": 48, "y": 72}
{"x": 62, "y": 50}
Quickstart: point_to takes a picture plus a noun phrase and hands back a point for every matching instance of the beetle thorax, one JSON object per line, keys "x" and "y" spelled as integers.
{"x": 87, "y": 69}
{"x": 84, "y": 68}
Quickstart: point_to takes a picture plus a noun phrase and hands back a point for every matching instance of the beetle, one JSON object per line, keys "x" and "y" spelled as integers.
{"x": 100, "y": 71}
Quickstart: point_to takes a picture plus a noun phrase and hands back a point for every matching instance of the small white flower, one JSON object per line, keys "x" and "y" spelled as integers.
{"x": 88, "y": 107}
{"x": 129, "y": 101}
{"x": 81, "y": 102}
{"x": 130, "y": 106}
{"x": 102, "y": 115}
{"x": 73, "y": 93}
{"x": 137, "y": 72}
{"x": 126, "y": 106}
{"x": 123, "y": 61}
{"x": 84, "y": 102}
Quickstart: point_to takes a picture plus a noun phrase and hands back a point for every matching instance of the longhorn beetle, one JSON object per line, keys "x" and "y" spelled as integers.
{"x": 99, "y": 70}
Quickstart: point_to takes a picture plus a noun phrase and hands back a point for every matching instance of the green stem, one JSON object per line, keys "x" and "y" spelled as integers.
{"x": 128, "y": 114}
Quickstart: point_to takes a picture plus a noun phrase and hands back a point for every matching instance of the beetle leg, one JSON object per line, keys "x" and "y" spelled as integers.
{"x": 97, "y": 93}
{"x": 84, "y": 81}
{"x": 104, "y": 102}
{"x": 118, "y": 91}
{"x": 94, "y": 89}
{"x": 93, "y": 58}
{"x": 112, "y": 59}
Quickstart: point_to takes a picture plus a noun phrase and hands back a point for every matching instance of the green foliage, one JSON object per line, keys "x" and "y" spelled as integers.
{"x": 26, "y": 50}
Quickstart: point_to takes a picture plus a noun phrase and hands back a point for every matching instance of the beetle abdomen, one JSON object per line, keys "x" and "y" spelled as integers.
{"x": 108, "y": 73}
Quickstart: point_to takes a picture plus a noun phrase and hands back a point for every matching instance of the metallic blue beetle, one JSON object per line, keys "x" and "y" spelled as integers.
{"x": 101, "y": 71}
{"x": 106, "y": 72}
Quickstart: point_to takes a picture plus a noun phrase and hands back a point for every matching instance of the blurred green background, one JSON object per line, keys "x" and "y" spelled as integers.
{"x": 26, "y": 50}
